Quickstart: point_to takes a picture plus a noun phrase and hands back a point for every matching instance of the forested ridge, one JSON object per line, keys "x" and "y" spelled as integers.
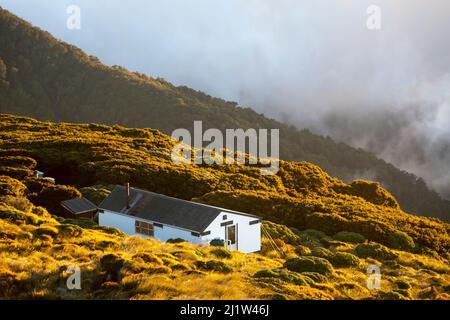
{"x": 47, "y": 79}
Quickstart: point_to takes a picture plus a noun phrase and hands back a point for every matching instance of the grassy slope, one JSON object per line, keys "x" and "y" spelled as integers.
{"x": 36, "y": 248}
{"x": 51, "y": 80}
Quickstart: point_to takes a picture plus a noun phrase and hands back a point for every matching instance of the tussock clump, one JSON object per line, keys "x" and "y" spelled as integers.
{"x": 315, "y": 276}
{"x": 12, "y": 284}
{"x": 375, "y": 251}
{"x": 402, "y": 284}
{"x": 403, "y": 292}
{"x": 16, "y": 216}
{"x": 390, "y": 295}
{"x": 351, "y": 237}
{"x": 181, "y": 266}
{"x": 49, "y": 231}
{"x": 185, "y": 255}
{"x": 309, "y": 264}
{"x": 109, "y": 230}
{"x": 19, "y": 203}
{"x": 158, "y": 270}
{"x": 148, "y": 258}
{"x": 213, "y": 265}
{"x": 221, "y": 253}
{"x": 111, "y": 264}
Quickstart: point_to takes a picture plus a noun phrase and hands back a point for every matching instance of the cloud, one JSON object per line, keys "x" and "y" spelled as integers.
{"x": 310, "y": 63}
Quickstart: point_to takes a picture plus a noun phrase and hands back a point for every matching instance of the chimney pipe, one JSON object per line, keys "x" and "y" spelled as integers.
{"x": 127, "y": 191}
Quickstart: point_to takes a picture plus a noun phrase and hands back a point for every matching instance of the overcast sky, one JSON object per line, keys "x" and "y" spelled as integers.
{"x": 312, "y": 63}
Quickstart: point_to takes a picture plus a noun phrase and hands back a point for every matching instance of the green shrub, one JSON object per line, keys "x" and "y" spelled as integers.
{"x": 313, "y": 234}
{"x": 391, "y": 264}
{"x": 329, "y": 223}
{"x": 17, "y": 161}
{"x": 11, "y": 187}
{"x": 82, "y": 222}
{"x": 375, "y": 251}
{"x": 96, "y": 194}
{"x": 176, "y": 240}
{"x": 322, "y": 253}
{"x": 337, "y": 259}
{"x": 16, "y": 173}
{"x": 70, "y": 230}
{"x": 344, "y": 260}
{"x": 374, "y": 193}
{"x": 51, "y": 196}
{"x": 401, "y": 240}
{"x": 278, "y": 296}
{"x": 351, "y": 237}
{"x": 284, "y": 275}
{"x": 309, "y": 264}
{"x": 282, "y": 232}
{"x": 35, "y": 185}
{"x": 302, "y": 250}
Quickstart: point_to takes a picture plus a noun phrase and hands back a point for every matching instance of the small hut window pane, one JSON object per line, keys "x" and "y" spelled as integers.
{"x": 144, "y": 228}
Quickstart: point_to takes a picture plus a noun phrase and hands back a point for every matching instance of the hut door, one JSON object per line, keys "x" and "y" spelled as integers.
{"x": 231, "y": 237}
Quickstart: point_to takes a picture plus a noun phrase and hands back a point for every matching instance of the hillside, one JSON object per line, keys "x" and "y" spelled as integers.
{"x": 328, "y": 231}
{"x": 45, "y": 78}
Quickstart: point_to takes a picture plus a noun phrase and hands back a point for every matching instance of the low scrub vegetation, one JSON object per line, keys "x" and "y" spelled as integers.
{"x": 323, "y": 234}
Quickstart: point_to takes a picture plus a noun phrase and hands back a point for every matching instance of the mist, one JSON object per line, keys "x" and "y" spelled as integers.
{"x": 313, "y": 64}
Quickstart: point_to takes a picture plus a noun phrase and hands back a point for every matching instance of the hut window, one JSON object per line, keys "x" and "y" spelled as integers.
{"x": 144, "y": 228}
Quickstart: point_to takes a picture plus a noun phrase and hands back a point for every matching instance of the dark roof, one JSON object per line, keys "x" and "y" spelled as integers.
{"x": 79, "y": 205}
{"x": 163, "y": 209}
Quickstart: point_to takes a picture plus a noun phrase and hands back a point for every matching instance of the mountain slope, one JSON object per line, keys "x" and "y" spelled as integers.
{"x": 331, "y": 233}
{"x": 51, "y": 80}
{"x": 300, "y": 195}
